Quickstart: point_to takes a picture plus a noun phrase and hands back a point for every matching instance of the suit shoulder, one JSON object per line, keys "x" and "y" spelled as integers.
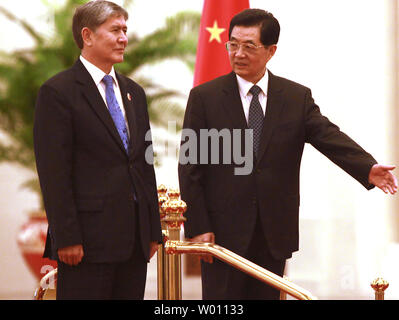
{"x": 211, "y": 85}
{"x": 289, "y": 84}
{"x": 58, "y": 80}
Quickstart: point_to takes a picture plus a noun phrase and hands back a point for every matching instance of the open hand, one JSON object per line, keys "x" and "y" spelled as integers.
{"x": 382, "y": 177}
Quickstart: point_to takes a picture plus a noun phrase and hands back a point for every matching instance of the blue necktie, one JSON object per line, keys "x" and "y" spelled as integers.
{"x": 255, "y": 117}
{"x": 115, "y": 111}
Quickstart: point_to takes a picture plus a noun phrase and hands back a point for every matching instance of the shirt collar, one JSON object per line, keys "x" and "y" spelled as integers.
{"x": 244, "y": 86}
{"x": 96, "y": 73}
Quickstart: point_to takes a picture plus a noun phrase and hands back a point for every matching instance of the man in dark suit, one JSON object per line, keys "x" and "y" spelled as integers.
{"x": 98, "y": 183}
{"x": 255, "y": 214}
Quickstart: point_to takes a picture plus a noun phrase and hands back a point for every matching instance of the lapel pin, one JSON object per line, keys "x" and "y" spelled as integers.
{"x": 129, "y": 97}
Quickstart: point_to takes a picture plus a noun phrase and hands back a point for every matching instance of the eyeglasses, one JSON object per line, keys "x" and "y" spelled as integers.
{"x": 233, "y": 46}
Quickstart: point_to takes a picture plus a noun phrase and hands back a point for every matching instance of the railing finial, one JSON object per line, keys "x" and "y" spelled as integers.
{"x": 379, "y": 285}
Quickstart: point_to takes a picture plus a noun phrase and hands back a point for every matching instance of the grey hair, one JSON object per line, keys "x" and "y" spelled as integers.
{"x": 92, "y": 15}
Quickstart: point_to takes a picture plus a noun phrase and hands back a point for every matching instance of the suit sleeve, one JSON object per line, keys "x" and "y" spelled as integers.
{"x": 53, "y": 145}
{"x": 336, "y": 145}
{"x": 192, "y": 174}
{"x": 150, "y": 180}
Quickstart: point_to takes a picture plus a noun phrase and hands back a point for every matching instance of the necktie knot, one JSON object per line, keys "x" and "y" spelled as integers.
{"x": 255, "y": 90}
{"x": 107, "y": 80}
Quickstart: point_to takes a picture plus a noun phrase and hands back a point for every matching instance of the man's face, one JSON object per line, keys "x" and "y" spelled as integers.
{"x": 106, "y": 45}
{"x": 249, "y": 64}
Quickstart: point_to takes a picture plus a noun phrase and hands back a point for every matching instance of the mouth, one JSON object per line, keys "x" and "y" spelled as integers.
{"x": 240, "y": 64}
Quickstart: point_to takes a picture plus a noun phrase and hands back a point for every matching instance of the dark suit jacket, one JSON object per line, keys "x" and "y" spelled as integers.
{"x": 227, "y": 204}
{"x": 89, "y": 183}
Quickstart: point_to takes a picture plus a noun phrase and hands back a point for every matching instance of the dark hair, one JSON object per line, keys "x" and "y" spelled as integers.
{"x": 92, "y": 15}
{"x": 269, "y": 26}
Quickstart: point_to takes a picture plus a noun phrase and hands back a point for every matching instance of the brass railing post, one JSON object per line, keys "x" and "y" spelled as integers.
{"x": 379, "y": 285}
{"x": 169, "y": 266}
{"x": 161, "y": 255}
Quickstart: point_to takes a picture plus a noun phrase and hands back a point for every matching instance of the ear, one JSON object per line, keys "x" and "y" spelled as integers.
{"x": 271, "y": 51}
{"x": 87, "y": 36}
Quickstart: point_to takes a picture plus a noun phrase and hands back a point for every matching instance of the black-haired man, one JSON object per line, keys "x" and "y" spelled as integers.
{"x": 256, "y": 214}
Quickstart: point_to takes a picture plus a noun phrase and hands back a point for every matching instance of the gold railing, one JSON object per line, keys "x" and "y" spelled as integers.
{"x": 171, "y": 210}
{"x": 47, "y": 286}
{"x": 169, "y": 260}
{"x": 238, "y": 262}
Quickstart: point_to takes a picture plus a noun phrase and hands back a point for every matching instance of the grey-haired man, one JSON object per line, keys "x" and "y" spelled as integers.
{"x": 99, "y": 191}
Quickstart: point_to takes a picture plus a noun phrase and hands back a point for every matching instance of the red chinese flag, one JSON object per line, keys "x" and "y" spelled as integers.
{"x": 212, "y": 57}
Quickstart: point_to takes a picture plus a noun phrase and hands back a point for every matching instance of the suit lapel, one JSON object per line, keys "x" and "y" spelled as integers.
{"x": 232, "y": 102}
{"x": 129, "y": 101}
{"x": 95, "y": 101}
{"x": 275, "y": 105}
{"x": 234, "y": 109}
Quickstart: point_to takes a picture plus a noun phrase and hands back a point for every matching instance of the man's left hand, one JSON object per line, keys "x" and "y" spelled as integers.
{"x": 153, "y": 248}
{"x": 382, "y": 177}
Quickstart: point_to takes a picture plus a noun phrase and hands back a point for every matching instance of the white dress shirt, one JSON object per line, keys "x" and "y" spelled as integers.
{"x": 244, "y": 86}
{"x": 97, "y": 74}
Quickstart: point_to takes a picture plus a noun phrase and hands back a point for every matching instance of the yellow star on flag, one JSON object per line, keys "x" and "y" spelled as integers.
{"x": 215, "y": 32}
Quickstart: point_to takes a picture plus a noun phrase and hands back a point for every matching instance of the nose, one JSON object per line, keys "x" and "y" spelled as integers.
{"x": 123, "y": 38}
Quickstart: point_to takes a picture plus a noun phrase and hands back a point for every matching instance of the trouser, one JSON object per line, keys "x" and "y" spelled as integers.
{"x": 221, "y": 281}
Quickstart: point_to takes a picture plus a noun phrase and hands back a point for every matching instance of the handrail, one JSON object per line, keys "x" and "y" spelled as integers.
{"x": 177, "y": 247}
{"x": 47, "y": 282}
